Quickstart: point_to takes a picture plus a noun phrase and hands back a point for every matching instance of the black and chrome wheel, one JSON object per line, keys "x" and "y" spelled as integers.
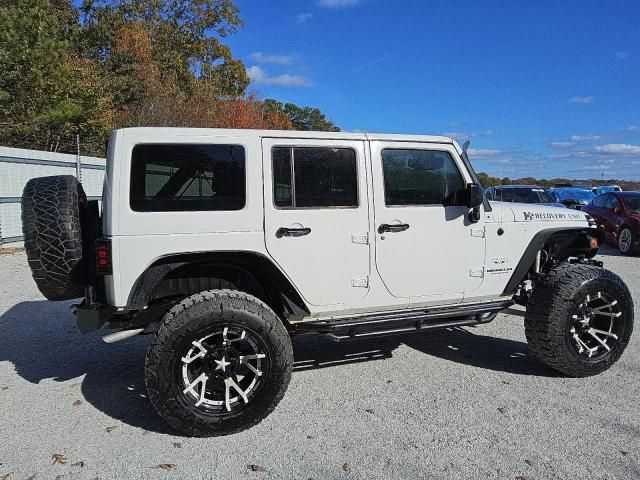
{"x": 220, "y": 363}
{"x": 625, "y": 241}
{"x": 579, "y": 319}
{"x": 597, "y": 326}
{"x": 223, "y": 370}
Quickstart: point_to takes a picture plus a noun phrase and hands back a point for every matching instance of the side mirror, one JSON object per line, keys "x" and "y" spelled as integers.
{"x": 617, "y": 210}
{"x": 475, "y": 196}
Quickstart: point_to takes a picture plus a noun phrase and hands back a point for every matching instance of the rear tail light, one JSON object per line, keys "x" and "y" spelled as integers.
{"x": 103, "y": 257}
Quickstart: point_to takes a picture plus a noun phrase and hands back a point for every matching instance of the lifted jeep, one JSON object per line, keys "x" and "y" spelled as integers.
{"x": 224, "y": 244}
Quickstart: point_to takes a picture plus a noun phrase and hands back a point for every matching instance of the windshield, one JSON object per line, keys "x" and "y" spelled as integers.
{"x": 523, "y": 195}
{"x": 632, "y": 202}
{"x": 577, "y": 194}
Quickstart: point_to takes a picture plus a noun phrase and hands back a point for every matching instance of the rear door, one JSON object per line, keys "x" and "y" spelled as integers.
{"x": 317, "y": 217}
{"x": 426, "y": 247}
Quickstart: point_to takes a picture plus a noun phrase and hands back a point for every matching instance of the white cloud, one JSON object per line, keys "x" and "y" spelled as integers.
{"x": 338, "y": 3}
{"x": 456, "y": 135}
{"x": 621, "y": 55}
{"x": 483, "y": 152}
{"x": 581, "y": 100}
{"x": 562, "y": 144}
{"x": 484, "y": 133}
{"x": 260, "y": 76}
{"x": 466, "y": 136}
{"x": 619, "y": 149}
{"x": 632, "y": 128}
{"x": 586, "y": 138}
{"x": 303, "y": 17}
{"x": 598, "y": 168}
{"x": 273, "y": 59}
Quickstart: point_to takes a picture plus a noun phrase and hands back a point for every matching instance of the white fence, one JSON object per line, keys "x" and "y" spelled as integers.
{"x": 17, "y": 166}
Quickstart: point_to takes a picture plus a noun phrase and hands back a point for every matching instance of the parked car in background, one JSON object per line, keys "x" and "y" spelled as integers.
{"x": 606, "y": 189}
{"x": 573, "y": 197}
{"x": 619, "y": 214}
{"x": 522, "y": 194}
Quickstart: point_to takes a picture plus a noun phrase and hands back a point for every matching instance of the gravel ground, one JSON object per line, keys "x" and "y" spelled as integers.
{"x": 459, "y": 403}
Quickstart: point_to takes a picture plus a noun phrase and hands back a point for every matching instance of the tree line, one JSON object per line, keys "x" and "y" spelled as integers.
{"x": 489, "y": 181}
{"x": 87, "y": 68}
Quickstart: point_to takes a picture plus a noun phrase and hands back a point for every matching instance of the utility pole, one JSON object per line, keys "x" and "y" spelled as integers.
{"x": 78, "y": 166}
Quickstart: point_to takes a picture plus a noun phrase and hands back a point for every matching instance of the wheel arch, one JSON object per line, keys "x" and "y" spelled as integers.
{"x": 188, "y": 273}
{"x": 567, "y": 242}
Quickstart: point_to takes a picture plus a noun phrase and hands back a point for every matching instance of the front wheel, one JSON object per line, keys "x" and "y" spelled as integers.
{"x": 219, "y": 364}
{"x": 579, "y": 319}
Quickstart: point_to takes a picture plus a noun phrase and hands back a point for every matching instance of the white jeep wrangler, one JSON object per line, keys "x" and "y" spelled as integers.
{"x": 226, "y": 243}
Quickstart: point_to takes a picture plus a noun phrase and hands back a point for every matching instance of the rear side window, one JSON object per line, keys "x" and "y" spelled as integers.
{"x": 186, "y": 177}
{"x": 421, "y": 177}
{"x": 314, "y": 177}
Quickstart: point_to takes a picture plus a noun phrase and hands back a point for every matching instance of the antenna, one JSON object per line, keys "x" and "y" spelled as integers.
{"x": 501, "y": 165}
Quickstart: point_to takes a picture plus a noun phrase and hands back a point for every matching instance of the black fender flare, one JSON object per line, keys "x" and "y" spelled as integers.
{"x": 256, "y": 265}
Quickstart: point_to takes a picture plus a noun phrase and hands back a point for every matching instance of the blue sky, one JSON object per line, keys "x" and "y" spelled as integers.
{"x": 544, "y": 88}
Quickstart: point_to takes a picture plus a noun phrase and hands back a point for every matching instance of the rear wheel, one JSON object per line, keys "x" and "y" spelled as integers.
{"x": 219, "y": 364}
{"x": 579, "y": 319}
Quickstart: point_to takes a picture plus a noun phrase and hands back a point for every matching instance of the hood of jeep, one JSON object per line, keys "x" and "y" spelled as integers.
{"x": 531, "y": 212}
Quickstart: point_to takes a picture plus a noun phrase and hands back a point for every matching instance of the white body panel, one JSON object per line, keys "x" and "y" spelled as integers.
{"x": 344, "y": 266}
{"x": 419, "y": 263}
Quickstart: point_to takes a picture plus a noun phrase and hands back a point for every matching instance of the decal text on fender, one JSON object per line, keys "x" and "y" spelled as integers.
{"x": 530, "y": 216}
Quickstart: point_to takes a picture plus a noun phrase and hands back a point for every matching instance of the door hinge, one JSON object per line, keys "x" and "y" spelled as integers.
{"x": 362, "y": 282}
{"x": 477, "y": 272}
{"x": 477, "y": 232}
{"x": 360, "y": 238}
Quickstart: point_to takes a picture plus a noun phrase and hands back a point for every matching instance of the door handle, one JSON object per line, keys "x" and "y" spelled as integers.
{"x": 387, "y": 227}
{"x": 292, "y": 232}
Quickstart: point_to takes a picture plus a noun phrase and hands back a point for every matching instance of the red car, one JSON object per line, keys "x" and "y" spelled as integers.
{"x": 619, "y": 214}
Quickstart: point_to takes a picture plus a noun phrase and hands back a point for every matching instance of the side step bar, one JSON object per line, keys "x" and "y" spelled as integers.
{"x": 403, "y": 322}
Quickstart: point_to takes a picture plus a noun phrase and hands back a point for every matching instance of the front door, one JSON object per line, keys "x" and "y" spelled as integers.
{"x": 317, "y": 217}
{"x": 426, "y": 246}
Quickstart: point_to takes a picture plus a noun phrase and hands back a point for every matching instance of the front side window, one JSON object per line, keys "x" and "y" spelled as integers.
{"x": 421, "y": 177}
{"x": 187, "y": 177}
{"x": 612, "y": 201}
{"x": 314, "y": 177}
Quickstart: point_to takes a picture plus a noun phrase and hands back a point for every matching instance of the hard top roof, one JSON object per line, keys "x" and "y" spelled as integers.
{"x": 299, "y": 134}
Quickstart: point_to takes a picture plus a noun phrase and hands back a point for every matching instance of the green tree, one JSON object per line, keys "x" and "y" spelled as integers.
{"x": 184, "y": 36}
{"x": 47, "y": 93}
{"x": 302, "y": 118}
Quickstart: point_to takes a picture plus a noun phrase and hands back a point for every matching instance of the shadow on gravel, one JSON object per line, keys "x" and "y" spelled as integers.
{"x": 460, "y": 345}
{"x": 465, "y": 346}
{"x": 42, "y": 342}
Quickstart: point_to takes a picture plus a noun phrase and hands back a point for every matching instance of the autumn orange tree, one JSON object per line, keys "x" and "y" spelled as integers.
{"x": 110, "y": 64}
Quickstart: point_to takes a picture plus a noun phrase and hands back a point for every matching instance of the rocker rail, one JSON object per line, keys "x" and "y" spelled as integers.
{"x": 349, "y": 328}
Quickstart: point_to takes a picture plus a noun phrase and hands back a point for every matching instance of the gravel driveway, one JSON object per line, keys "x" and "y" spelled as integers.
{"x": 458, "y": 403}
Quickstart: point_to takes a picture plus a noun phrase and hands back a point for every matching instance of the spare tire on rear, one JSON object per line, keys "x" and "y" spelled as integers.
{"x": 53, "y": 212}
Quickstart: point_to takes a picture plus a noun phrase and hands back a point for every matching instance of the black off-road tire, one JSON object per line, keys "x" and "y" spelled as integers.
{"x": 191, "y": 319}
{"x": 548, "y": 319}
{"x": 53, "y": 211}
